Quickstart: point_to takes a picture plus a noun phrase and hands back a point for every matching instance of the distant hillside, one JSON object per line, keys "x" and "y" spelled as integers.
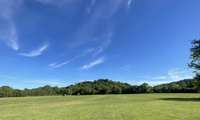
{"x": 182, "y": 86}
{"x": 103, "y": 86}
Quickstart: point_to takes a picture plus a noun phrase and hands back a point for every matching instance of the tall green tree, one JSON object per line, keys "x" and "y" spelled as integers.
{"x": 195, "y": 60}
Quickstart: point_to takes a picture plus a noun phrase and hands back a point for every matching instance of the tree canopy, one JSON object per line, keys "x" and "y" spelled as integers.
{"x": 195, "y": 60}
{"x": 195, "y": 55}
{"x": 103, "y": 86}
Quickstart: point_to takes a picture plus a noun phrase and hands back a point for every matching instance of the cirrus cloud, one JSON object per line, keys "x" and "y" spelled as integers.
{"x": 8, "y": 31}
{"x": 37, "y": 52}
{"x": 93, "y": 63}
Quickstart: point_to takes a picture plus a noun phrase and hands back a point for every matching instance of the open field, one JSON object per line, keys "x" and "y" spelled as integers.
{"x": 103, "y": 107}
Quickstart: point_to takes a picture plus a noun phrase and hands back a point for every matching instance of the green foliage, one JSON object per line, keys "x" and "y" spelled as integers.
{"x": 145, "y": 88}
{"x": 195, "y": 55}
{"x": 184, "y": 86}
{"x": 195, "y": 61}
{"x": 6, "y": 91}
{"x": 104, "y": 86}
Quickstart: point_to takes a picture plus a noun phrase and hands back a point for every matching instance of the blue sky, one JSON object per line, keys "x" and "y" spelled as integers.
{"x": 61, "y": 42}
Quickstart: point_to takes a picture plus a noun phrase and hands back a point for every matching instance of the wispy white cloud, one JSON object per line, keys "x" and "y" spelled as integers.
{"x": 9, "y": 7}
{"x": 171, "y": 76}
{"x": 104, "y": 45}
{"x": 101, "y": 14}
{"x": 129, "y": 3}
{"x": 174, "y": 75}
{"x": 93, "y": 63}
{"x": 46, "y": 1}
{"x": 36, "y": 52}
{"x": 58, "y": 65}
{"x": 93, "y": 51}
{"x": 8, "y": 31}
{"x": 61, "y": 64}
{"x": 45, "y": 82}
{"x": 10, "y": 36}
{"x": 177, "y": 74}
{"x": 160, "y": 77}
{"x": 57, "y": 3}
{"x": 11, "y": 81}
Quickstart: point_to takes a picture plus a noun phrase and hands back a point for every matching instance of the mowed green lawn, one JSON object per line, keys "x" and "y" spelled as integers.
{"x": 103, "y": 107}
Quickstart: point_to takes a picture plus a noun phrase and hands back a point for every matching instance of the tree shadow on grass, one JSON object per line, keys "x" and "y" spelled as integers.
{"x": 182, "y": 99}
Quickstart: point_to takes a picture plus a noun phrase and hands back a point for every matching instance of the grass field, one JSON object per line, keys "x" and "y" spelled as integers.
{"x": 103, "y": 107}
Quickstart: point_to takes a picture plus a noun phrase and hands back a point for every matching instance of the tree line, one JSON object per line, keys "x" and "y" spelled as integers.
{"x": 103, "y": 86}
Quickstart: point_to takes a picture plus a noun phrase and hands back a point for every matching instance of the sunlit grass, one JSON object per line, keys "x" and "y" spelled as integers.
{"x": 103, "y": 107}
